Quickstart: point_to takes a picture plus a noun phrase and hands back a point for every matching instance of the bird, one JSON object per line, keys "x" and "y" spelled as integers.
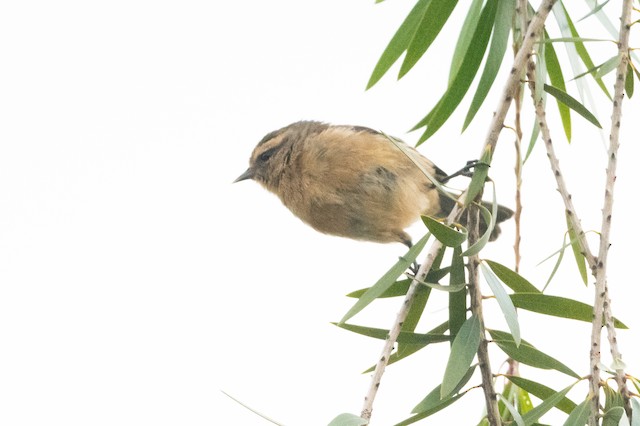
{"x": 351, "y": 181}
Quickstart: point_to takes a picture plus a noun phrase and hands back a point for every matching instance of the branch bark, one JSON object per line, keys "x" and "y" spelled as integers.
{"x": 497, "y": 123}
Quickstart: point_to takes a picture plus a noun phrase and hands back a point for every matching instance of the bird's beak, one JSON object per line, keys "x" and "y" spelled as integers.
{"x": 248, "y": 174}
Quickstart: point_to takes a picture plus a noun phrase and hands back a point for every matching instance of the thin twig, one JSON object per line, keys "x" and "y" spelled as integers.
{"x": 495, "y": 127}
{"x": 601, "y": 290}
{"x": 475, "y": 296}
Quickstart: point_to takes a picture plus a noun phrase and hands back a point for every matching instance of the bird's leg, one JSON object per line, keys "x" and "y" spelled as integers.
{"x": 465, "y": 171}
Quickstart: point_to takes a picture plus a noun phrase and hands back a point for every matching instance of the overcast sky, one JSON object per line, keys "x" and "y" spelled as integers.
{"x": 137, "y": 282}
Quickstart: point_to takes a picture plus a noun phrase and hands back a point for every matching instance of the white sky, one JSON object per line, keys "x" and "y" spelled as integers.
{"x": 137, "y": 282}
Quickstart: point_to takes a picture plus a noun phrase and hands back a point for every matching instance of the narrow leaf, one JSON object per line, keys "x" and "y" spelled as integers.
{"x": 387, "y": 279}
{"x": 484, "y": 238}
{"x": 399, "y": 42}
{"x": 467, "y": 30}
{"x": 628, "y": 82}
{"x": 513, "y": 410}
{"x": 581, "y": 262}
{"x": 468, "y": 69}
{"x": 404, "y": 336}
{"x": 534, "y": 415}
{"x": 433, "y": 398}
{"x": 445, "y": 402}
{"x": 435, "y": 16}
{"x": 608, "y": 66}
{"x": 572, "y": 103}
{"x": 512, "y": 279}
{"x": 557, "y": 306}
{"x": 594, "y": 10}
{"x": 541, "y": 391}
{"x": 579, "y": 415}
{"x": 465, "y": 345}
{"x": 526, "y": 353}
{"x": 497, "y": 48}
{"x": 252, "y": 410}
{"x": 458, "y": 300}
{"x": 505, "y": 303}
{"x": 445, "y": 234}
{"x": 557, "y": 80}
{"x": 613, "y": 417}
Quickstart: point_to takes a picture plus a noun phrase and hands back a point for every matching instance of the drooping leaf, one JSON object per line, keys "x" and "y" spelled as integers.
{"x": 404, "y": 336}
{"x": 566, "y": 26}
{"x": 526, "y": 353}
{"x": 465, "y": 345}
{"x": 387, "y": 279}
{"x": 252, "y": 410}
{"x": 613, "y": 417}
{"x": 399, "y": 42}
{"x": 542, "y": 391}
{"x": 458, "y": 300}
{"x": 517, "y": 418}
{"x": 348, "y": 419}
{"x": 467, "y": 30}
{"x": 572, "y": 103}
{"x": 557, "y": 306}
{"x": 538, "y": 411}
{"x": 444, "y": 402}
{"x": 505, "y": 303}
{"x": 497, "y": 48}
{"x": 434, "y": 398}
{"x": 557, "y": 80}
{"x": 446, "y": 235}
{"x": 579, "y": 415}
{"x": 512, "y": 279}
{"x": 468, "y": 69}
{"x": 594, "y": 10}
{"x": 435, "y": 16}
{"x": 581, "y": 262}
{"x": 484, "y": 238}
{"x": 628, "y": 82}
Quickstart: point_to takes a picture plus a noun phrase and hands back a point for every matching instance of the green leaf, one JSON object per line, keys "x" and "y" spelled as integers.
{"x": 480, "y": 173}
{"x": 484, "y": 238}
{"x": 541, "y": 391}
{"x": 409, "y": 348}
{"x": 579, "y": 415}
{"x": 512, "y": 279}
{"x": 613, "y": 416}
{"x": 445, "y": 234}
{"x": 635, "y": 410}
{"x": 468, "y": 69}
{"x": 400, "y": 287}
{"x": 505, "y": 303}
{"x": 527, "y": 354}
{"x": 348, "y": 419}
{"x": 535, "y": 132}
{"x": 566, "y": 26}
{"x": 420, "y": 298}
{"x": 434, "y": 397}
{"x": 594, "y": 10}
{"x": 467, "y": 30}
{"x": 581, "y": 262}
{"x": 404, "y": 336}
{"x": 608, "y": 66}
{"x": 557, "y": 306}
{"x": 399, "y": 42}
{"x": 534, "y": 415}
{"x": 433, "y": 19}
{"x": 557, "y": 80}
{"x": 445, "y": 402}
{"x": 458, "y": 300}
{"x": 572, "y": 103}
{"x": 513, "y": 410}
{"x": 464, "y": 348}
{"x": 387, "y": 279}
{"x": 628, "y": 82}
{"x": 497, "y": 48}
{"x": 451, "y": 288}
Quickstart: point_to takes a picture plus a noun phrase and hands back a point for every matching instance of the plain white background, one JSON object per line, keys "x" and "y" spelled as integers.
{"x": 137, "y": 282}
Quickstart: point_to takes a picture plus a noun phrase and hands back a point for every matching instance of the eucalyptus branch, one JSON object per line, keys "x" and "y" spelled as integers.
{"x": 601, "y": 290}
{"x": 496, "y": 125}
{"x": 475, "y": 296}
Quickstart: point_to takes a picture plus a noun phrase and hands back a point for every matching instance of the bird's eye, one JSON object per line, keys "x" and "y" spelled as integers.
{"x": 266, "y": 155}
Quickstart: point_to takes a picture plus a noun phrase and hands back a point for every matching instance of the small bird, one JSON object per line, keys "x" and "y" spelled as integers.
{"x": 350, "y": 181}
